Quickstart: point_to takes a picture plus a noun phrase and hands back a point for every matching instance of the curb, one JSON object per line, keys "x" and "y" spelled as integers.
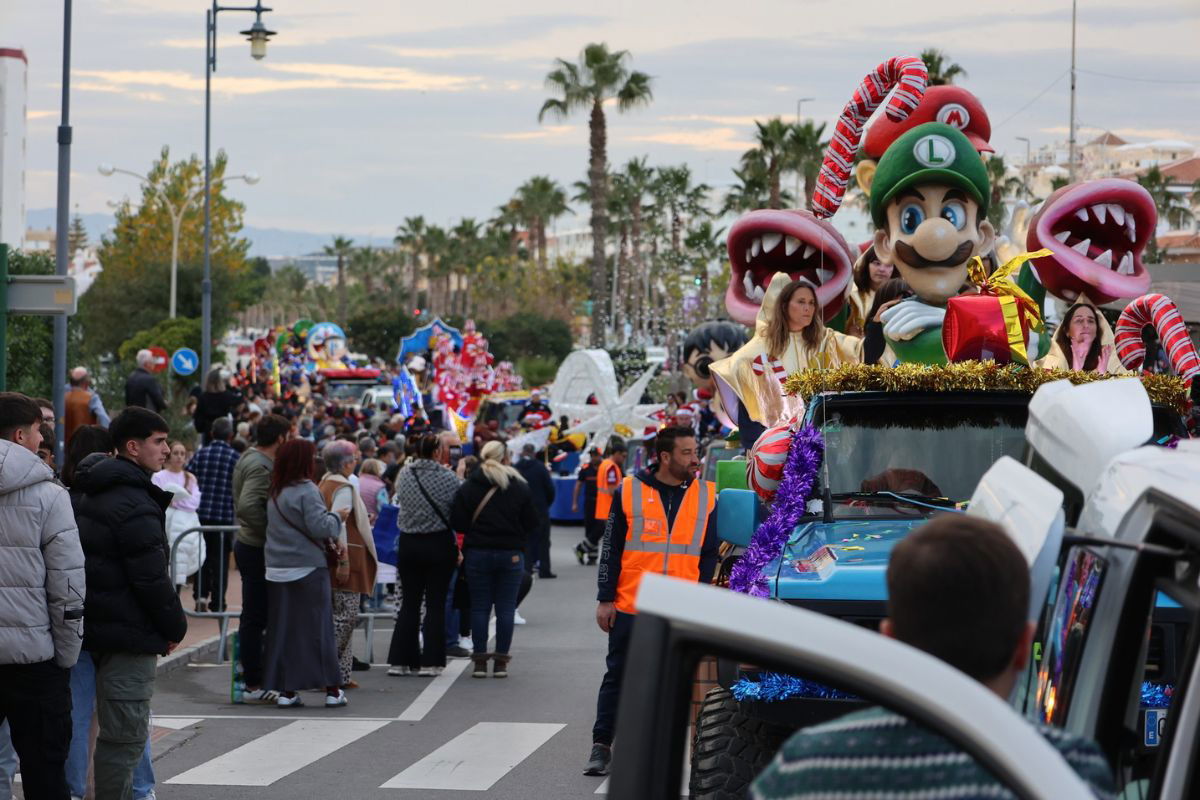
{"x": 203, "y": 650}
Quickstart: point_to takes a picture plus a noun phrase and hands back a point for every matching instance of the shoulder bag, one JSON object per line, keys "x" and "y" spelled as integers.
{"x": 329, "y": 549}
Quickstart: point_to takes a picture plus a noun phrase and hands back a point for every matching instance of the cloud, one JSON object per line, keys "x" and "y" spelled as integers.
{"x": 1131, "y": 133}
{"x": 719, "y": 119}
{"x": 40, "y": 113}
{"x": 548, "y": 132}
{"x": 708, "y": 139}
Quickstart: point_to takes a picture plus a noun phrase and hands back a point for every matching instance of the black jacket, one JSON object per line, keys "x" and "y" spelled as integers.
{"x": 131, "y": 605}
{"x": 541, "y": 486}
{"x": 142, "y": 389}
{"x": 613, "y": 546}
{"x": 505, "y": 522}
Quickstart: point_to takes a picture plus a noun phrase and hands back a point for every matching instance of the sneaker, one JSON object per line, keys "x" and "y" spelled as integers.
{"x": 260, "y": 697}
{"x": 400, "y": 671}
{"x": 593, "y": 560}
{"x": 337, "y": 702}
{"x": 481, "y": 665}
{"x": 518, "y": 619}
{"x": 283, "y": 701}
{"x": 547, "y": 575}
{"x": 581, "y": 553}
{"x": 358, "y": 666}
{"x": 350, "y": 684}
{"x": 458, "y": 651}
{"x": 430, "y": 672}
{"x": 599, "y": 760}
{"x": 466, "y": 642}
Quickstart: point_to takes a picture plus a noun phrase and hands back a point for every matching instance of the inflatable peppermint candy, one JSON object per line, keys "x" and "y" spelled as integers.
{"x": 1159, "y": 311}
{"x": 764, "y": 469}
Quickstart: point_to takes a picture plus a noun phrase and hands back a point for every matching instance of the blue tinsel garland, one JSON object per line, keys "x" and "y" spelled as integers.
{"x": 1156, "y": 695}
{"x": 772, "y": 687}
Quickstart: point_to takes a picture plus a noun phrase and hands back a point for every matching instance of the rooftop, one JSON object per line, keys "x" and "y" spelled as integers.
{"x": 1185, "y": 170}
{"x": 1108, "y": 139}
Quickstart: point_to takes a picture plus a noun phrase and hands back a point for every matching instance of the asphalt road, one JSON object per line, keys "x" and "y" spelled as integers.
{"x": 524, "y": 737}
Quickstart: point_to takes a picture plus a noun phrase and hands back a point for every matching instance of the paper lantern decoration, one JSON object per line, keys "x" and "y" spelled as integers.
{"x": 764, "y": 469}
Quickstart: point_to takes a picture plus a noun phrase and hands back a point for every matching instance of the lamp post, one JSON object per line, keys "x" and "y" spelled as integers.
{"x": 59, "y": 356}
{"x": 258, "y": 35}
{"x": 176, "y": 212}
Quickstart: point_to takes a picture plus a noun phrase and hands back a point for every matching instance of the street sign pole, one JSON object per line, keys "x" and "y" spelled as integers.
{"x": 3, "y": 317}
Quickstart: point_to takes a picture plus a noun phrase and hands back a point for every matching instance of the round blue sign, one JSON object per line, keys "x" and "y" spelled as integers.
{"x": 184, "y": 361}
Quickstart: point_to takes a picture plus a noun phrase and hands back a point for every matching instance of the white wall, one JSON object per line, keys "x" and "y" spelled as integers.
{"x": 13, "y": 92}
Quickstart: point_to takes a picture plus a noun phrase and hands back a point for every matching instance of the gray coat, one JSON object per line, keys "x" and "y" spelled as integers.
{"x": 41, "y": 564}
{"x": 297, "y": 526}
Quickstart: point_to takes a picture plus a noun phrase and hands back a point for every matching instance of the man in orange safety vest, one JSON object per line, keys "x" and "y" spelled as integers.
{"x": 663, "y": 520}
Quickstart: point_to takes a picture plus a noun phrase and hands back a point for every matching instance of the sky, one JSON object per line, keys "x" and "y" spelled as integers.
{"x": 367, "y": 112}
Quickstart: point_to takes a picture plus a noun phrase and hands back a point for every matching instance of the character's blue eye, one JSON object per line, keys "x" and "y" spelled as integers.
{"x": 956, "y": 214}
{"x": 911, "y": 217}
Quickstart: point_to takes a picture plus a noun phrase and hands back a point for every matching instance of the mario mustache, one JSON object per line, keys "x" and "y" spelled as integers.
{"x": 909, "y": 255}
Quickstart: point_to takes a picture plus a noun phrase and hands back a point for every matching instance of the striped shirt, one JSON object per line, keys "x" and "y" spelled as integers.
{"x": 876, "y": 754}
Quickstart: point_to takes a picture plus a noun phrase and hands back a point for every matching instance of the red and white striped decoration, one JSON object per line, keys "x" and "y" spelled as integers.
{"x": 907, "y": 76}
{"x": 1160, "y": 311}
{"x": 764, "y": 469}
{"x": 760, "y": 365}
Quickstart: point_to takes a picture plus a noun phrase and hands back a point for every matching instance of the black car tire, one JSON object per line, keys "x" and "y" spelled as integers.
{"x": 730, "y": 748}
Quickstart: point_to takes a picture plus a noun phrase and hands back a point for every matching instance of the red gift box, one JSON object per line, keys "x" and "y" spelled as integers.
{"x": 986, "y": 327}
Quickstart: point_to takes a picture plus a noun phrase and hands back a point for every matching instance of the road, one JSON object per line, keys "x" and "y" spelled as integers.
{"x": 524, "y": 737}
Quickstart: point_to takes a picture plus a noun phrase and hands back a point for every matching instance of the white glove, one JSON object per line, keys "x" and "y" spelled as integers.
{"x": 905, "y": 320}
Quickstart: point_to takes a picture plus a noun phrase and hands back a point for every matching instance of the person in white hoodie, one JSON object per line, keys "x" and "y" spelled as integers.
{"x": 41, "y": 602}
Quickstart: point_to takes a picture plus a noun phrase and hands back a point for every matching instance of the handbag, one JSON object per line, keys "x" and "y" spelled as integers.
{"x": 429, "y": 500}
{"x": 329, "y": 548}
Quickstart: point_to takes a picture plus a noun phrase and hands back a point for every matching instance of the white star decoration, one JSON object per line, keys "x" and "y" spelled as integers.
{"x": 611, "y": 412}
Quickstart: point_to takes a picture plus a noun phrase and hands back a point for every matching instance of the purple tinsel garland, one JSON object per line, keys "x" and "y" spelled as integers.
{"x": 795, "y": 488}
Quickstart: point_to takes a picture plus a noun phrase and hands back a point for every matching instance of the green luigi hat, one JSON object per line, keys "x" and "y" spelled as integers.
{"x": 929, "y": 153}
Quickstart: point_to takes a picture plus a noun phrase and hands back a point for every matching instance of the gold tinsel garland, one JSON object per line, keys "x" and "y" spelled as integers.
{"x": 976, "y": 376}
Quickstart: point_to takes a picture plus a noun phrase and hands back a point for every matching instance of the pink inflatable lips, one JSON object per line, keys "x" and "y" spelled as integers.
{"x": 767, "y": 241}
{"x": 1097, "y": 231}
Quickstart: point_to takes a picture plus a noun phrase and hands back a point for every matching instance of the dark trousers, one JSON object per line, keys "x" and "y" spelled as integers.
{"x": 253, "y": 568}
{"x": 495, "y": 579}
{"x": 537, "y": 549}
{"x": 610, "y": 687}
{"x": 214, "y": 574}
{"x": 593, "y": 530}
{"x": 426, "y": 561}
{"x": 35, "y": 699}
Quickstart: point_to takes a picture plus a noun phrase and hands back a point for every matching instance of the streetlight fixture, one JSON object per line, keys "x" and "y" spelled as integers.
{"x": 1024, "y": 139}
{"x": 258, "y": 36}
{"x": 176, "y": 211}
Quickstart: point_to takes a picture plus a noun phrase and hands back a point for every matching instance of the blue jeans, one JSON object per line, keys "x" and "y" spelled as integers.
{"x": 451, "y": 625}
{"x": 83, "y": 704}
{"x": 494, "y": 578}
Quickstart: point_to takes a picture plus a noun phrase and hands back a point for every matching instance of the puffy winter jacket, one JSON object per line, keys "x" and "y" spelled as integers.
{"x": 41, "y": 564}
{"x": 131, "y": 604}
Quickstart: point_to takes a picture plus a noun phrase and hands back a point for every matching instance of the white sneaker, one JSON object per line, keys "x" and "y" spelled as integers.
{"x": 283, "y": 701}
{"x": 335, "y": 702}
{"x": 399, "y": 671}
{"x": 466, "y": 642}
{"x": 517, "y": 618}
{"x": 429, "y": 672}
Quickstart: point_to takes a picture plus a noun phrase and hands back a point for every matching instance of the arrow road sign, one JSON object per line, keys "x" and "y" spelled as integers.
{"x": 184, "y": 361}
{"x": 41, "y": 294}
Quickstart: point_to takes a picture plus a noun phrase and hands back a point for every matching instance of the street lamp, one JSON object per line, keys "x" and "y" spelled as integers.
{"x": 1024, "y": 139}
{"x": 258, "y": 36}
{"x": 176, "y": 211}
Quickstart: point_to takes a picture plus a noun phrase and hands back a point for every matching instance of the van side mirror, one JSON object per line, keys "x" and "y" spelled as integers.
{"x": 739, "y": 514}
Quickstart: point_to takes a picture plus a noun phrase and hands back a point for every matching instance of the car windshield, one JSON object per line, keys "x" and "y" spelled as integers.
{"x": 344, "y": 391}
{"x": 917, "y": 449}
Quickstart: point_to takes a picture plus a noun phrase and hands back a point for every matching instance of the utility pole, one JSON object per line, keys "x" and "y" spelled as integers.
{"x": 1071, "y": 140}
{"x": 60, "y": 239}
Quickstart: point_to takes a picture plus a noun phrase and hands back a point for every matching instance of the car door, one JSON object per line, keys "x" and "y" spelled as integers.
{"x": 678, "y": 623}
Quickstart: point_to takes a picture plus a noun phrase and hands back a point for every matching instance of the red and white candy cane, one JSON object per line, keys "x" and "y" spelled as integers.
{"x": 1160, "y": 311}
{"x": 905, "y": 74}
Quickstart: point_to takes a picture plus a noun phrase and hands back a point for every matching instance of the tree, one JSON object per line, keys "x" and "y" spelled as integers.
{"x": 771, "y": 154}
{"x": 528, "y": 334}
{"x": 77, "y": 237}
{"x": 410, "y": 237}
{"x": 132, "y": 292}
{"x": 342, "y": 248}
{"x": 30, "y": 338}
{"x": 377, "y": 331}
{"x": 704, "y": 246}
{"x": 1002, "y": 186}
{"x": 750, "y": 191}
{"x": 600, "y": 75}
{"x": 540, "y": 201}
{"x": 1171, "y": 206}
{"x": 805, "y": 152}
{"x": 941, "y": 69}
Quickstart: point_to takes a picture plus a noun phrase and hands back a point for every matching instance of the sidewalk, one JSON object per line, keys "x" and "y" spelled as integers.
{"x": 200, "y": 642}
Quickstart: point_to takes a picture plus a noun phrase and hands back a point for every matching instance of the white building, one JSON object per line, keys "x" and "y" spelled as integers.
{"x": 13, "y": 91}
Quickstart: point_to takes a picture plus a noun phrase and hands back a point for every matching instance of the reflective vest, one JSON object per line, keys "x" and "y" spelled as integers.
{"x": 605, "y": 489}
{"x": 650, "y": 547}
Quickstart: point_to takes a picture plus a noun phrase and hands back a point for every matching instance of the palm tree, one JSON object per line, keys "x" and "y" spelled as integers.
{"x": 542, "y": 200}
{"x": 1171, "y": 206}
{"x": 805, "y": 152}
{"x": 465, "y": 255}
{"x": 341, "y": 247}
{"x": 679, "y": 198}
{"x": 1002, "y": 186}
{"x": 705, "y": 245}
{"x": 750, "y": 192}
{"x": 599, "y": 76}
{"x": 772, "y": 153}
{"x": 410, "y": 235}
{"x": 638, "y": 179}
{"x": 366, "y": 265}
{"x": 435, "y": 248}
{"x": 941, "y": 69}
{"x": 509, "y": 219}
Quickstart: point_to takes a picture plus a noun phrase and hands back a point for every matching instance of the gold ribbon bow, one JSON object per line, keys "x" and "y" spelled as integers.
{"x": 1000, "y": 284}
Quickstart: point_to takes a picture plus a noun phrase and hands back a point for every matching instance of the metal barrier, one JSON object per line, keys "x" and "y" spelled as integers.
{"x": 223, "y": 617}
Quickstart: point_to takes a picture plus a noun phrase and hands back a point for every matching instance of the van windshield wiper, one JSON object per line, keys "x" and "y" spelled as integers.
{"x": 921, "y": 500}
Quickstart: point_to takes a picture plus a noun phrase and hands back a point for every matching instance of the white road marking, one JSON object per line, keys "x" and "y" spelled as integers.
{"x": 258, "y": 762}
{"x": 477, "y": 758}
{"x": 437, "y": 688}
{"x": 174, "y": 723}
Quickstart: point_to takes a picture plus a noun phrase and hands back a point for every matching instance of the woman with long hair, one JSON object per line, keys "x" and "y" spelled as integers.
{"x": 215, "y": 401}
{"x": 358, "y": 577}
{"x": 301, "y": 651}
{"x": 181, "y": 514}
{"x": 1078, "y": 343}
{"x": 870, "y": 274}
{"x": 495, "y": 512}
{"x": 797, "y": 337}
{"x": 427, "y": 555}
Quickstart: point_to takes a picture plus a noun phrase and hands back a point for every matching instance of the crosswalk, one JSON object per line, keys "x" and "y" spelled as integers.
{"x": 474, "y": 760}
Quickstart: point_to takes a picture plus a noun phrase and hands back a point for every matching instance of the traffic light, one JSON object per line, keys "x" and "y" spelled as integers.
{"x": 696, "y": 280}
{"x": 416, "y": 312}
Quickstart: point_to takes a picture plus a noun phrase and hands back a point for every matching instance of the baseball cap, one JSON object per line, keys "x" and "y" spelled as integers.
{"x": 951, "y": 105}
{"x": 929, "y": 153}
